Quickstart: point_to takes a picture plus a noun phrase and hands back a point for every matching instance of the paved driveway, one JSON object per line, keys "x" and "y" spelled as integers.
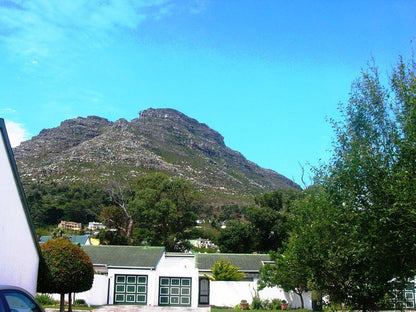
{"x": 138, "y": 308}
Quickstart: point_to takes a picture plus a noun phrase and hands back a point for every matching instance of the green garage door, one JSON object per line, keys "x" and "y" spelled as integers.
{"x": 175, "y": 291}
{"x": 409, "y": 296}
{"x": 130, "y": 289}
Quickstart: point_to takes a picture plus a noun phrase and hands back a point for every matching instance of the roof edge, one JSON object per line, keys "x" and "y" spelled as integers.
{"x": 130, "y": 267}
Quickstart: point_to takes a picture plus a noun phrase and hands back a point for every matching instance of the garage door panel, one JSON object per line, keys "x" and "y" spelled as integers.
{"x": 175, "y": 291}
{"x": 130, "y": 289}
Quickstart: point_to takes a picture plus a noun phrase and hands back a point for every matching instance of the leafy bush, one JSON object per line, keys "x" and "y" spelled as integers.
{"x": 223, "y": 270}
{"x": 275, "y": 304}
{"x": 257, "y": 304}
{"x": 45, "y": 299}
{"x": 80, "y": 302}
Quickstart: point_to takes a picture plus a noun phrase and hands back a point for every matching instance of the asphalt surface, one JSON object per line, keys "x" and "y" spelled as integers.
{"x": 139, "y": 308}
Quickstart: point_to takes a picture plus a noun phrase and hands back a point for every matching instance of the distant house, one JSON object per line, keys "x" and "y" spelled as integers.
{"x": 150, "y": 276}
{"x": 203, "y": 243}
{"x": 19, "y": 252}
{"x": 69, "y": 225}
{"x": 93, "y": 226}
{"x": 80, "y": 240}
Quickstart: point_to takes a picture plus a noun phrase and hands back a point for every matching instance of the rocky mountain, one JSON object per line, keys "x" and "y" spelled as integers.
{"x": 95, "y": 150}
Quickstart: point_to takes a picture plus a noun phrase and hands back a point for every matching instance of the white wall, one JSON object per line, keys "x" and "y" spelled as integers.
{"x": 19, "y": 259}
{"x": 97, "y": 295}
{"x": 229, "y": 294}
{"x": 291, "y": 297}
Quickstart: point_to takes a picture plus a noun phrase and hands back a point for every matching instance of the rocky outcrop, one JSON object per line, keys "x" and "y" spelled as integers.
{"x": 94, "y": 149}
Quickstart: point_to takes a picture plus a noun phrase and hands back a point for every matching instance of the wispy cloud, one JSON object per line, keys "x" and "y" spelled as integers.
{"x": 41, "y": 29}
{"x": 17, "y": 133}
{"x": 7, "y": 110}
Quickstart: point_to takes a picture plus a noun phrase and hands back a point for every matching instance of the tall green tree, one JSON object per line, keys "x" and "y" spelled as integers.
{"x": 288, "y": 271}
{"x": 65, "y": 268}
{"x": 237, "y": 237}
{"x": 365, "y": 200}
{"x": 268, "y": 219}
{"x": 164, "y": 210}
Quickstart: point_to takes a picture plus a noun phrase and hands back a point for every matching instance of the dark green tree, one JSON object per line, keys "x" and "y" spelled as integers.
{"x": 112, "y": 238}
{"x": 164, "y": 209}
{"x": 358, "y": 228}
{"x": 268, "y": 219}
{"x": 288, "y": 271}
{"x": 65, "y": 268}
{"x": 51, "y": 202}
{"x": 236, "y": 237}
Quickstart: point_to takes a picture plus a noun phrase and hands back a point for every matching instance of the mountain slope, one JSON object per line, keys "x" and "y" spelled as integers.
{"x": 95, "y": 150}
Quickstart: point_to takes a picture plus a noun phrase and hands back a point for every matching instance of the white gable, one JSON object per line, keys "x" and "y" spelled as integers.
{"x": 19, "y": 256}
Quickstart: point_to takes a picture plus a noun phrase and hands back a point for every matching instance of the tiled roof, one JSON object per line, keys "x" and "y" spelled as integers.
{"x": 125, "y": 256}
{"x": 44, "y": 239}
{"x": 178, "y": 254}
{"x": 81, "y": 239}
{"x": 246, "y": 262}
{"x": 76, "y": 239}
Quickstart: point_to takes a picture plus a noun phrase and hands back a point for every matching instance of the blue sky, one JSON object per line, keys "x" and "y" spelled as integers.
{"x": 265, "y": 74}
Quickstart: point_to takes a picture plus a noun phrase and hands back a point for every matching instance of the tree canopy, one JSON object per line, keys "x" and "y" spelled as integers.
{"x": 236, "y": 238}
{"x": 288, "y": 272}
{"x": 64, "y": 268}
{"x": 51, "y": 202}
{"x": 265, "y": 227}
{"x": 164, "y": 211}
{"x": 356, "y": 228}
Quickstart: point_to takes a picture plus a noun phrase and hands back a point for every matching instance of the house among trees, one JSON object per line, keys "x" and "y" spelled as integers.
{"x": 94, "y": 226}
{"x": 20, "y": 253}
{"x": 69, "y": 225}
{"x": 143, "y": 275}
{"x": 80, "y": 240}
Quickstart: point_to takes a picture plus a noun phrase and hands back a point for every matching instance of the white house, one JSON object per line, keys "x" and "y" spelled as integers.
{"x": 93, "y": 226}
{"x": 19, "y": 252}
{"x": 151, "y": 276}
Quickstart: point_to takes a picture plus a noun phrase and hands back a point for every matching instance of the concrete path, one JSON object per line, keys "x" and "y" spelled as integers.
{"x": 140, "y": 308}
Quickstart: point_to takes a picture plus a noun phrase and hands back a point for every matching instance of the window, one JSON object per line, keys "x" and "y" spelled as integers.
{"x": 18, "y": 301}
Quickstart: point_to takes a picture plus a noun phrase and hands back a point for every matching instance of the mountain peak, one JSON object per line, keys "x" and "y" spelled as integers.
{"x": 173, "y": 120}
{"x": 166, "y": 113}
{"x": 95, "y": 150}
